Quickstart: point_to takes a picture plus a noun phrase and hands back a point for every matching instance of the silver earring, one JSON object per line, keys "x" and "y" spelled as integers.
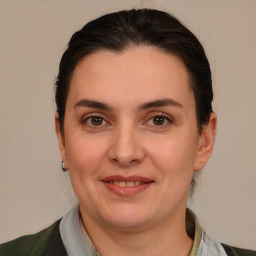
{"x": 63, "y": 165}
{"x": 202, "y": 164}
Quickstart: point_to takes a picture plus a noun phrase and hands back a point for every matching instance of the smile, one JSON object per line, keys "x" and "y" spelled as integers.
{"x": 127, "y": 186}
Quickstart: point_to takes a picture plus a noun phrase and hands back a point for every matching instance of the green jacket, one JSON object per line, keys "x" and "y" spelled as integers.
{"x": 48, "y": 243}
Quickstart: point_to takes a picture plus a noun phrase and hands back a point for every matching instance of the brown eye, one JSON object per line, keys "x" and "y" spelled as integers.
{"x": 159, "y": 120}
{"x": 95, "y": 120}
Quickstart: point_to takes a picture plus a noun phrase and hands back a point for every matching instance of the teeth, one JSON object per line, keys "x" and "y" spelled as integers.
{"x": 136, "y": 183}
{"x": 130, "y": 184}
{"x": 126, "y": 184}
{"x": 122, "y": 184}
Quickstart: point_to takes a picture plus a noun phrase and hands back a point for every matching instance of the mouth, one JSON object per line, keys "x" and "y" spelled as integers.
{"x": 126, "y": 183}
{"x": 127, "y": 186}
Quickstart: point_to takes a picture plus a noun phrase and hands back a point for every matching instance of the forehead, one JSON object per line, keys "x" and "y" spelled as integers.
{"x": 138, "y": 74}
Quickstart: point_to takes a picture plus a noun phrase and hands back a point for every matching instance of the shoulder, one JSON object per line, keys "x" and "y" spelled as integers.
{"x": 234, "y": 251}
{"x": 46, "y": 242}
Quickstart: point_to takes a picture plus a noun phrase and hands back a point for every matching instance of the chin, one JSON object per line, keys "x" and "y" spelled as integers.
{"x": 128, "y": 217}
{"x": 128, "y": 223}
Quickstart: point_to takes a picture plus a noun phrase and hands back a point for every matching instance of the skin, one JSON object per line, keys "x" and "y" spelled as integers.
{"x": 135, "y": 136}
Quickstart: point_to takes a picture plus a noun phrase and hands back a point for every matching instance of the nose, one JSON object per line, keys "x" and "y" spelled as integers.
{"x": 126, "y": 149}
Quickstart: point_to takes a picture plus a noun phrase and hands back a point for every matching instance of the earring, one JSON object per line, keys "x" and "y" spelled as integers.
{"x": 63, "y": 165}
{"x": 202, "y": 164}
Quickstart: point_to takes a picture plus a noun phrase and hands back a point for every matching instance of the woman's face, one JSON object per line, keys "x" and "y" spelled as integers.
{"x": 131, "y": 140}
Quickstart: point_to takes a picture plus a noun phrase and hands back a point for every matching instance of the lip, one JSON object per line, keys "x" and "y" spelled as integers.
{"x": 126, "y": 179}
{"x": 145, "y": 183}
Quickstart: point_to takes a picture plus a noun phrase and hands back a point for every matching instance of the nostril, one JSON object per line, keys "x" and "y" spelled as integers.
{"x": 134, "y": 161}
{"x": 125, "y": 162}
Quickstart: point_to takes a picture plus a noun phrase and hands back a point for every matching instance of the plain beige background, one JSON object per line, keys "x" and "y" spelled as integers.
{"x": 33, "y": 190}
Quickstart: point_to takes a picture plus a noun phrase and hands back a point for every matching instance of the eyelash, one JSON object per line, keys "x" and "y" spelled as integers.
{"x": 88, "y": 120}
{"x": 166, "y": 120}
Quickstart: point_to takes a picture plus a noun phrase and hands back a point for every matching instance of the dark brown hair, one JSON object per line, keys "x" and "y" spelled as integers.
{"x": 120, "y": 30}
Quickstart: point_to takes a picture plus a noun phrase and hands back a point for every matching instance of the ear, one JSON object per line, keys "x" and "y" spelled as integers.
{"x": 206, "y": 142}
{"x": 60, "y": 136}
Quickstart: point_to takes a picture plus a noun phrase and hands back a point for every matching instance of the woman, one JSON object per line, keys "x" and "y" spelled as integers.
{"x": 135, "y": 125}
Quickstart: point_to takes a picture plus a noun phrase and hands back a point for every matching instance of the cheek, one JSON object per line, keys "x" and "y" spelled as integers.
{"x": 84, "y": 155}
{"x": 174, "y": 157}
{"x": 85, "y": 158}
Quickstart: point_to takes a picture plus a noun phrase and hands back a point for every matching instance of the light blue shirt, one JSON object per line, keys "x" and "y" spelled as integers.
{"x": 77, "y": 242}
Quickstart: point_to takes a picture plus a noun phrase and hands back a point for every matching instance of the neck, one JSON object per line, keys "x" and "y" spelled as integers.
{"x": 169, "y": 238}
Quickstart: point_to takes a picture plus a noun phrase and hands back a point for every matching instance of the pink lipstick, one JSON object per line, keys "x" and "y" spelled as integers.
{"x": 126, "y": 186}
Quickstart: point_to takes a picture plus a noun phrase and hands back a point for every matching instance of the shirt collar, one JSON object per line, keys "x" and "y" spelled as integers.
{"x": 77, "y": 242}
{"x": 194, "y": 230}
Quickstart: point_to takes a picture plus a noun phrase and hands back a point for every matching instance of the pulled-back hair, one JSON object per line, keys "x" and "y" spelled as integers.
{"x": 121, "y": 30}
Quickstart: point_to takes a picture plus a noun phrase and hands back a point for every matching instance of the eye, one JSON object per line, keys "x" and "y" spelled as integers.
{"x": 159, "y": 120}
{"x": 95, "y": 121}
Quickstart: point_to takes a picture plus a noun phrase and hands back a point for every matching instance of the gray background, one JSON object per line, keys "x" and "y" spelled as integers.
{"x": 33, "y": 190}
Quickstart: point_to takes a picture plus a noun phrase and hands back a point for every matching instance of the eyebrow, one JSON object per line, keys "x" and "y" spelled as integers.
{"x": 160, "y": 103}
{"x": 151, "y": 104}
{"x": 92, "y": 104}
